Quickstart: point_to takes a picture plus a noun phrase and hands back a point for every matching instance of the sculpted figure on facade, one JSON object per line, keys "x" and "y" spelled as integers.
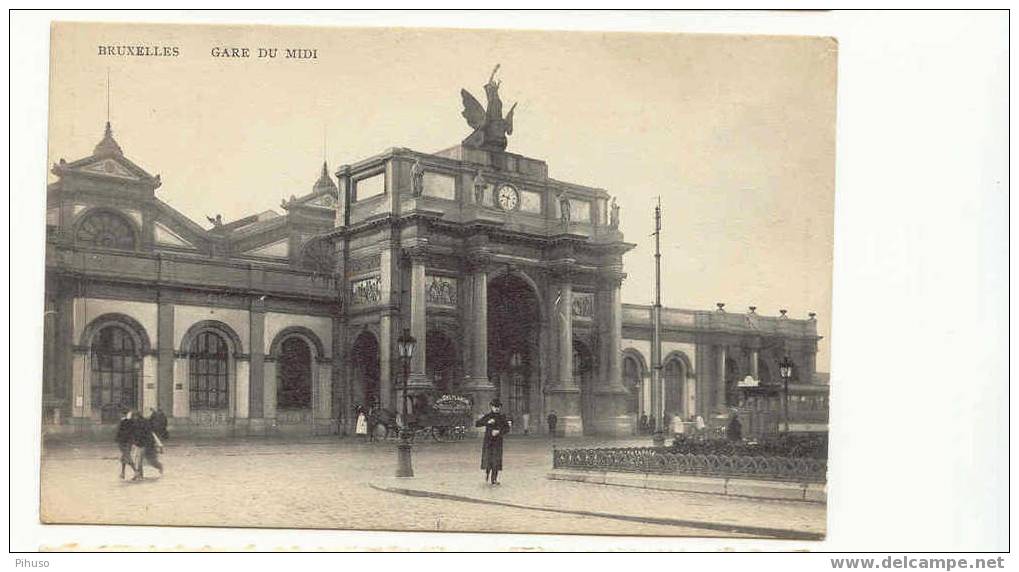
{"x": 490, "y": 127}
{"x": 614, "y": 214}
{"x": 417, "y": 176}
{"x": 479, "y": 188}
{"x": 564, "y": 207}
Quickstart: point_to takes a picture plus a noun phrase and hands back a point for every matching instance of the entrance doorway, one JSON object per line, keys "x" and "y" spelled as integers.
{"x": 513, "y": 332}
{"x": 365, "y": 361}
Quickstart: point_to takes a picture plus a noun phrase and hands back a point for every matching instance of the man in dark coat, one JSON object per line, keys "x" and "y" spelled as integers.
{"x": 496, "y": 426}
{"x": 553, "y": 420}
{"x": 125, "y": 436}
{"x": 159, "y": 424}
{"x": 145, "y": 444}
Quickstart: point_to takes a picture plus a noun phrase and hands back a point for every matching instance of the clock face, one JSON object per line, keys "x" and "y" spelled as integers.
{"x": 508, "y": 198}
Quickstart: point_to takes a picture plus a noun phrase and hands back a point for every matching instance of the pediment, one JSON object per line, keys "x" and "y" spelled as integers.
{"x": 165, "y": 236}
{"x": 111, "y": 168}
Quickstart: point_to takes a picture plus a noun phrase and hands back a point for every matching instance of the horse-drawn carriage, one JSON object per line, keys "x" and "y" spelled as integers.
{"x": 442, "y": 417}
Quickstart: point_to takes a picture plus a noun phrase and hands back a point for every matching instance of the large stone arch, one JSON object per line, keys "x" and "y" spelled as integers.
{"x": 509, "y": 271}
{"x": 318, "y": 349}
{"x": 131, "y": 325}
{"x": 676, "y": 390}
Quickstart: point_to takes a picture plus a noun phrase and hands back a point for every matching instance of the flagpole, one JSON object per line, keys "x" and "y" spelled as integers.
{"x": 657, "y": 386}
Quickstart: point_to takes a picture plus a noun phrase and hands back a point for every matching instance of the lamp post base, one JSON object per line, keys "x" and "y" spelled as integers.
{"x": 404, "y": 467}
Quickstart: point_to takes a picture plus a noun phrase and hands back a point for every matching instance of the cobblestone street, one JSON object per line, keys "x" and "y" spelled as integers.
{"x": 337, "y": 484}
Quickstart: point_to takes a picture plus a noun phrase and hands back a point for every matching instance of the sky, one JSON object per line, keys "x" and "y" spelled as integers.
{"x": 735, "y": 134}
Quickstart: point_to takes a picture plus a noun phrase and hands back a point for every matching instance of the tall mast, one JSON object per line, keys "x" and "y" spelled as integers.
{"x": 657, "y": 388}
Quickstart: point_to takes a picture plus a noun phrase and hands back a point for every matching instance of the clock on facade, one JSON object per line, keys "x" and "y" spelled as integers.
{"x": 507, "y": 198}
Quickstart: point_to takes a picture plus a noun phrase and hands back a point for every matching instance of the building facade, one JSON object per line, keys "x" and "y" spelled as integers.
{"x": 508, "y": 279}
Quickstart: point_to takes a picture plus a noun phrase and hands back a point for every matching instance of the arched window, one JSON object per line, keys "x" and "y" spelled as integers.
{"x": 106, "y": 230}
{"x": 114, "y": 372}
{"x": 673, "y": 373}
{"x": 209, "y": 372}
{"x": 294, "y": 378}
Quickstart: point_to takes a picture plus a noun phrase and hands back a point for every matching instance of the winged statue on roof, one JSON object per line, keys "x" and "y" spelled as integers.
{"x": 490, "y": 127}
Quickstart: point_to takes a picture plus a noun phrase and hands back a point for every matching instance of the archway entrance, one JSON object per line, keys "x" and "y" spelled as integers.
{"x": 442, "y": 363}
{"x": 293, "y": 388}
{"x": 674, "y": 374}
{"x": 583, "y": 375}
{"x": 365, "y": 360}
{"x": 513, "y": 332}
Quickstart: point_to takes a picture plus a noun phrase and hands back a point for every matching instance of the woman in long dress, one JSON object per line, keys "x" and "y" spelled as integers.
{"x": 361, "y": 425}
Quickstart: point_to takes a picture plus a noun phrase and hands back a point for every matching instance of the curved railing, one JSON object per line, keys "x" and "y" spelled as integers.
{"x": 655, "y": 460}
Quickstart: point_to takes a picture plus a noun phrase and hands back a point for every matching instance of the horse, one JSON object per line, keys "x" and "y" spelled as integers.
{"x": 385, "y": 418}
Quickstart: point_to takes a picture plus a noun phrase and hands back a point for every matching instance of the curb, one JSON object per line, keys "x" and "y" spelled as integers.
{"x": 724, "y": 486}
{"x": 775, "y": 533}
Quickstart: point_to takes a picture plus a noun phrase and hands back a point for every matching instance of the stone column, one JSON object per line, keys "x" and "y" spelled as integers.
{"x": 164, "y": 341}
{"x": 612, "y": 396}
{"x": 564, "y": 395}
{"x": 754, "y": 358}
{"x": 387, "y": 398}
{"x": 478, "y": 385}
{"x": 418, "y": 321}
{"x": 256, "y": 368}
{"x": 720, "y": 405}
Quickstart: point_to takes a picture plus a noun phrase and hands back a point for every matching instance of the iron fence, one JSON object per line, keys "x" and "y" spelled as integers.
{"x": 663, "y": 461}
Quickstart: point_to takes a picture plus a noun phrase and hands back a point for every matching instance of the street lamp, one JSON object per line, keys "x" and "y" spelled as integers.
{"x": 405, "y": 344}
{"x": 785, "y": 370}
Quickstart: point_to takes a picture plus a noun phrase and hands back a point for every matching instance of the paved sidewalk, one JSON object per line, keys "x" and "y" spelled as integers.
{"x": 713, "y": 515}
{"x": 335, "y": 484}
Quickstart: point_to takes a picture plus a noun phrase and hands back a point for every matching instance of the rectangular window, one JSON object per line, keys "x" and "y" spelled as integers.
{"x": 368, "y": 187}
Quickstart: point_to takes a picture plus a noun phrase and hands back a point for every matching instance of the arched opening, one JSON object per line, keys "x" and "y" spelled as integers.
{"x": 293, "y": 387}
{"x": 442, "y": 363}
{"x": 115, "y": 373}
{"x": 365, "y": 360}
{"x": 674, "y": 374}
{"x": 633, "y": 378}
{"x": 106, "y": 230}
{"x": 513, "y": 332}
{"x": 209, "y": 372}
{"x": 583, "y": 375}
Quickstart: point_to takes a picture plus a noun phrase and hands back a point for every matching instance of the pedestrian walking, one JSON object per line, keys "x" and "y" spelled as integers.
{"x": 125, "y": 435}
{"x": 159, "y": 423}
{"x": 525, "y": 419}
{"x": 553, "y": 420}
{"x": 361, "y": 425}
{"x": 146, "y": 447}
{"x": 644, "y": 427}
{"x": 496, "y": 426}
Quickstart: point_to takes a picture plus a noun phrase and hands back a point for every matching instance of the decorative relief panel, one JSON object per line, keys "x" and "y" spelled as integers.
{"x": 366, "y": 291}
{"x": 530, "y": 202}
{"x": 441, "y": 291}
{"x": 580, "y": 210}
{"x": 583, "y": 305}
{"x": 439, "y": 185}
{"x": 365, "y": 264}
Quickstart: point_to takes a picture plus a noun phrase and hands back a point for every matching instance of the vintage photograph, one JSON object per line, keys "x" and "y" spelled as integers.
{"x": 439, "y": 280}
